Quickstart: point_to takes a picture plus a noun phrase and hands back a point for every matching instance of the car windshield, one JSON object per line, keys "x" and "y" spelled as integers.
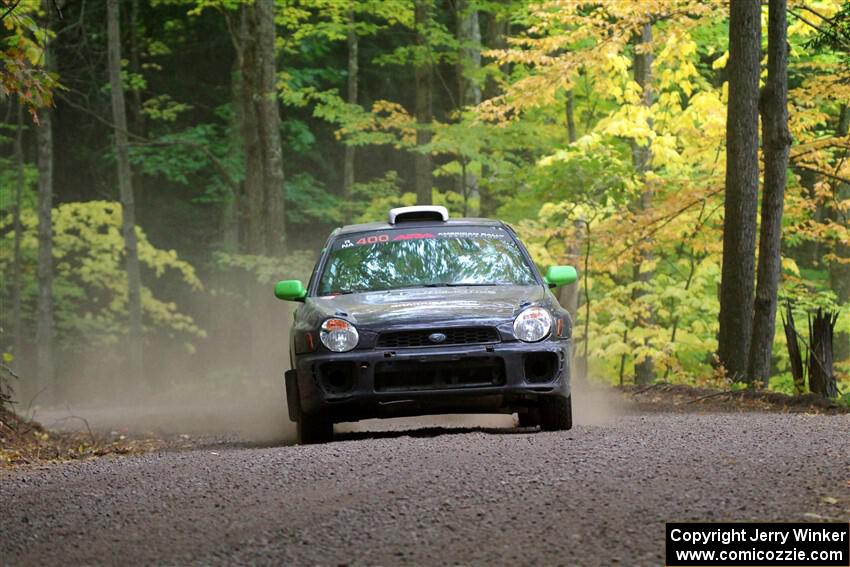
{"x": 394, "y": 259}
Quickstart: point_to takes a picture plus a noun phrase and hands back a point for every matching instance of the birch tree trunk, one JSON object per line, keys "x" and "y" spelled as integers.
{"x": 424, "y": 79}
{"x": 125, "y": 188}
{"x": 776, "y": 144}
{"x": 742, "y": 176}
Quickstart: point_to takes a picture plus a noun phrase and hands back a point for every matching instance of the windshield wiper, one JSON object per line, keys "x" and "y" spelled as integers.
{"x": 462, "y": 284}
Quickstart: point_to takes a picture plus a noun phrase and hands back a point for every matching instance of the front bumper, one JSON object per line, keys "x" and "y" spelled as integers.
{"x": 491, "y": 378}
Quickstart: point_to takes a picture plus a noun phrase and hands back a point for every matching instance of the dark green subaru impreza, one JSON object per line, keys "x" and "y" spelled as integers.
{"x": 427, "y": 315}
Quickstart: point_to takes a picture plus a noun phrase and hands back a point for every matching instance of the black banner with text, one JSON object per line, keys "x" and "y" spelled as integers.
{"x": 754, "y": 544}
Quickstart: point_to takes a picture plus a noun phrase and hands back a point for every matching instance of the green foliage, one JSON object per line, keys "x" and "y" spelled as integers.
{"x": 203, "y": 156}
{"x": 163, "y": 107}
{"x": 308, "y": 201}
{"x": 8, "y": 185}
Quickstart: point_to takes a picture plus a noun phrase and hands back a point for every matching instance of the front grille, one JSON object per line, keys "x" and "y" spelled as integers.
{"x": 454, "y": 336}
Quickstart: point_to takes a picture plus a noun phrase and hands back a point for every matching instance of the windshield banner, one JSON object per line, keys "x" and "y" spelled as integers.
{"x": 397, "y": 235}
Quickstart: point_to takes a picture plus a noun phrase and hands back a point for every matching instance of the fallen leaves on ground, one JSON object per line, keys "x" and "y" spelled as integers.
{"x": 677, "y": 397}
{"x": 23, "y": 441}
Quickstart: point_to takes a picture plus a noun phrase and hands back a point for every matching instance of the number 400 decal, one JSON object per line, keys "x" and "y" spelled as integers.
{"x": 373, "y": 239}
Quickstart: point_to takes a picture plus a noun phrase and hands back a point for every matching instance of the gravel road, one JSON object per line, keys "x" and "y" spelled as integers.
{"x": 597, "y": 495}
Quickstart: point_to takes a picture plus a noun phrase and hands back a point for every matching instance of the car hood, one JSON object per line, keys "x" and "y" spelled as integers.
{"x": 423, "y": 305}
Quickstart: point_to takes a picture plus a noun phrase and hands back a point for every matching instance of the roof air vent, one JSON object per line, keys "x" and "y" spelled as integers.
{"x": 419, "y": 213}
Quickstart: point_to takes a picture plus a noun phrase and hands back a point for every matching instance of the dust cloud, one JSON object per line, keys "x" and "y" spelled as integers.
{"x": 595, "y": 403}
{"x": 229, "y": 384}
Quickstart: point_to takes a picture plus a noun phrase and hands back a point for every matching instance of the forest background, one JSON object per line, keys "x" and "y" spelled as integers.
{"x": 162, "y": 163}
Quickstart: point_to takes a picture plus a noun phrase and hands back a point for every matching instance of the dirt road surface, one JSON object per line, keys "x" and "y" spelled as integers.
{"x": 597, "y": 495}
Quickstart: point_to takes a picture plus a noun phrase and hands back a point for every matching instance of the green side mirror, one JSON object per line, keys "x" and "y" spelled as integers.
{"x": 290, "y": 290}
{"x": 560, "y": 275}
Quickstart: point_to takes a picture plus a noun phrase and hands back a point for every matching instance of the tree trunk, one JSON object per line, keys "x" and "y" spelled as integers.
{"x": 742, "y": 176}
{"x": 44, "y": 363}
{"x": 641, "y": 157}
{"x": 776, "y": 143}
{"x": 795, "y": 358}
{"x": 469, "y": 56}
{"x": 468, "y": 92}
{"x": 45, "y": 369}
{"x": 251, "y": 205}
{"x": 125, "y": 188}
{"x": 268, "y": 115}
{"x": 569, "y": 294}
{"x": 348, "y": 163}
{"x": 424, "y": 78}
{"x": 230, "y": 217}
{"x": 839, "y": 274}
{"x": 20, "y": 182}
{"x": 570, "y": 112}
{"x": 261, "y": 199}
{"x": 582, "y": 360}
{"x": 821, "y": 376}
{"x": 495, "y": 31}
{"x": 262, "y": 208}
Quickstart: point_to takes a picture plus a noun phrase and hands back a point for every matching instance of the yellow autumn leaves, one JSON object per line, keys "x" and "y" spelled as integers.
{"x": 91, "y": 286}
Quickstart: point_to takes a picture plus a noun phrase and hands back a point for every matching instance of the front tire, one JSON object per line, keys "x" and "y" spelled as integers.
{"x": 556, "y": 413}
{"x": 314, "y": 429}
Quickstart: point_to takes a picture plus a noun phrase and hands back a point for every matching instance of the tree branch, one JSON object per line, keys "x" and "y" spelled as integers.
{"x": 142, "y": 141}
{"x": 824, "y": 173}
{"x": 9, "y": 10}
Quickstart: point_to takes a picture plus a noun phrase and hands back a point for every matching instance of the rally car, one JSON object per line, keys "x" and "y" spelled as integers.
{"x": 425, "y": 315}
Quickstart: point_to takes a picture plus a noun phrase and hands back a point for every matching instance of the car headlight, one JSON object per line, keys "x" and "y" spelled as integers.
{"x": 532, "y": 325}
{"x": 339, "y": 335}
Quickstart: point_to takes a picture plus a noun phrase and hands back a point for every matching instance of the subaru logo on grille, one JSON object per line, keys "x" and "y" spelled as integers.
{"x": 436, "y": 337}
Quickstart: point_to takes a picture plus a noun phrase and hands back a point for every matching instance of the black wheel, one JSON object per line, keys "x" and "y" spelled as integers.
{"x": 556, "y": 413}
{"x": 314, "y": 429}
{"x": 529, "y": 418}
